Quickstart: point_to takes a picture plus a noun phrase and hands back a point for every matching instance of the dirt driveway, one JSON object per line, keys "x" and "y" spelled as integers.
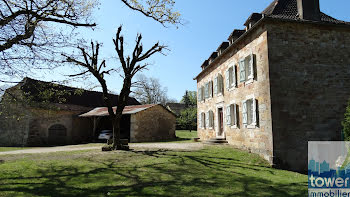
{"x": 167, "y": 146}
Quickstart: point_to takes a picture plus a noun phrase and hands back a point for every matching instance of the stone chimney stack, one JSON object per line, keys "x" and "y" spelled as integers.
{"x": 309, "y": 10}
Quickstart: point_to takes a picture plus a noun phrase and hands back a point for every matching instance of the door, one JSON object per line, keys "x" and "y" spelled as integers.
{"x": 220, "y": 133}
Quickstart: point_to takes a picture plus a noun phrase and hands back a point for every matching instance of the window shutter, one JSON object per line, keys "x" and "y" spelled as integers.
{"x": 210, "y": 89}
{"x": 241, "y": 71}
{"x": 200, "y": 94}
{"x": 211, "y": 116}
{"x": 221, "y": 84}
{"x": 245, "y": 113}
{"x": 235, "y": 113}
{"x": 200, "y": 120}
{"x": 203, "y": 120}
{"x": 207, "y": 90}
{"x": 228, "y": 115}
{"x": 234, "y": 76}
{"x": 227, "y": 76}
{"x": 251, "y": 67}
{"x": 216, "y": 85}
{"x": 207, "y": 119}
{"x": 254, "y": 112}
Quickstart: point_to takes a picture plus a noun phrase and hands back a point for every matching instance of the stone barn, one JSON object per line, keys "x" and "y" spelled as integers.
{"x": 140, "y": 123}
{"x": 37, "y": 113}
{"x": 282, "y": 81}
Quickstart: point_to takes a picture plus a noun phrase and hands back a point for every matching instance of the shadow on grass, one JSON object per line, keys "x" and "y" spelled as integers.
{"x": 155, "y": 173}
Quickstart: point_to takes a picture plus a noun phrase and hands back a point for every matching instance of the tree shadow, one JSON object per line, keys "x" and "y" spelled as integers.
{"x": 156, "y": 173}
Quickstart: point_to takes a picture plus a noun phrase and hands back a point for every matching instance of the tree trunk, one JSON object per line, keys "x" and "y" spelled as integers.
{"x": 116, "y": 133}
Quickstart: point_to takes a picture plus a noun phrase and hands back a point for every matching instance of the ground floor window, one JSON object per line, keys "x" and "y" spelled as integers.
{"x": 249, "y": 113}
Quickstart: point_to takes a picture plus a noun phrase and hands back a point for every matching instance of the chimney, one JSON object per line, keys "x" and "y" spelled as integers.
{"x": 309, "y": 10}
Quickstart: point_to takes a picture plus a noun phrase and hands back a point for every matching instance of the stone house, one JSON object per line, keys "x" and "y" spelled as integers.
{"x": 37, "y": 113}
{"x": 140, "y": 123}
{"x": 282, "y": 81}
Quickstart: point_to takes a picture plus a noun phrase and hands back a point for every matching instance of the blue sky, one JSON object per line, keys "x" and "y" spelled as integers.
{"x": 208, "y": 24}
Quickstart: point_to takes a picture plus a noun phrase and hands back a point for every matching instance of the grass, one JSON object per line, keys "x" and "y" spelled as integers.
{"x": 185, "y": 134}
{"x": 212, "y": 171}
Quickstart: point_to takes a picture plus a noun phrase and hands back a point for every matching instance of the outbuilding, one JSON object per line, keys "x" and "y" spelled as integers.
{"x": 140, "y": 123}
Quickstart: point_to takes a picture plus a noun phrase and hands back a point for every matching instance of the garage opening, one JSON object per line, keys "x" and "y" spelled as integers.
{"x": 57, "y": 135}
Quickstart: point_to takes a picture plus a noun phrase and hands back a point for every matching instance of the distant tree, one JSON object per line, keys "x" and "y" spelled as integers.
{"x": 188, "y": 118}
{"x": 131, "y": 65}
{"x": 150, "y": 91}
{"x": 190, "y": 99}
{"x": 346, "y": 123}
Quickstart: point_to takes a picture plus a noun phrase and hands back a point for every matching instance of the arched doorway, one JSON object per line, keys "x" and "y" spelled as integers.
{"x": 57, "y": 135}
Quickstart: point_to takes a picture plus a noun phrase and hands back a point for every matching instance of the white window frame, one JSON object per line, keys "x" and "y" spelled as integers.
{"x": 231, "y": 78}
{"x": 245, "y": 114}
{"x": 243, "y": 70}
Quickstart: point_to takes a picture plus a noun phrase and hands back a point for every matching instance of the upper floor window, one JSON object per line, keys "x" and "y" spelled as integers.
{"x": 250, "y": 113}
{"x": 232, "y": 115}
{"x": 246, "y": 69}
{"x": 231, "y": 77}
{"x": 209, "y": 90}
{"x": 218, "y": 84}
{"x": 201, "y": 94}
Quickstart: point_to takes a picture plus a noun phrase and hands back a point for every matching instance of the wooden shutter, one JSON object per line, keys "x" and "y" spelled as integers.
{"x": 203, "y": 120}
{"x": 245, "y": 112}
{"x": 228, "y": 115}
{"x": 206, "y": 90}
{"x": 251, "y": 67}
{"x": 235, "y": 114}
{"x": 207, "y": 120}
{"x": 254, "y": 121}
{"x": 216, "y": 85}
{"x": 241, "y": 71}
{"x": 210, "y": 89}
{"x": 211, "y": 116}
{"x": 227, "y": 76}
{"x": 200, "y": 94}
{"x": 221, "y": 84}
{"x": 234, "y": 80}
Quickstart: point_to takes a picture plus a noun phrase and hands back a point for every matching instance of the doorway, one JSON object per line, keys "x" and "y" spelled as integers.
{"x": 220, "y": 131}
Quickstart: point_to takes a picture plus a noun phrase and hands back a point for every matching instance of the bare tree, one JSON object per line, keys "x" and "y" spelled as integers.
{"x": 161, "y": 11}
{"x": 130, "y": 65}
{"x": 150, "y": 91}
{"x": 34, "y": 32}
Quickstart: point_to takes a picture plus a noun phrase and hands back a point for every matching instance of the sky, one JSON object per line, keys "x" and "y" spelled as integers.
{"x": 207, "y": 24}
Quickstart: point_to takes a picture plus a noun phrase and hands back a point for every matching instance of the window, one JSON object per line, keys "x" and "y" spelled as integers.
{"x": 201, "y": 94}
{"x": 231, "y": 77}
{"x": 246, "y": 69}
{"x": 218, "y": 85}
{"x": 249, "y": 113}
{"x": 210, "y": 89}
{"x": 210, "y": 119}
{"x": 201, "y": 120}
{"x": 231, "y": 115}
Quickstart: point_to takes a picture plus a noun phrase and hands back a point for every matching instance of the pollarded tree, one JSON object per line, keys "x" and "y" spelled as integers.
{"x": 130, "y": 65}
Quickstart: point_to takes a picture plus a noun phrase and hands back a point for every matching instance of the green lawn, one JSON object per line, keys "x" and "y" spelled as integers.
{"x": 213, "y": 171}
{"x": 185, "y": 134}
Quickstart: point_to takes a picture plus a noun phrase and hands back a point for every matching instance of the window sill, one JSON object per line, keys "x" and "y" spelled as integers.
{"x": 232, "y": 88}
{"x": 234, "y": 127}
{"x": 250, "y": 126}
{"x": 220, "y": 94}
{"x": 211, "y": 128}
{"x": 249, "y": 82}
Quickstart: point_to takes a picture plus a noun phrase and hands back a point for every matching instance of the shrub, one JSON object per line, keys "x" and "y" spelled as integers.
{"x": 346, "y": 123}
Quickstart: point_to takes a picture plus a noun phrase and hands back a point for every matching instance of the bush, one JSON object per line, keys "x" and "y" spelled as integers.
{"x": 346, "y": 123}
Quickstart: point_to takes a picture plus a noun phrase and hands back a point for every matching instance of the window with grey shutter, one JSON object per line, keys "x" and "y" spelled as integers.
{"x": 200, "y": 120}
{"x": 242, "y": 71}
{"x": 216, "y": 85}
{"x": 203, "y": 120}
{"x": 250, "y": 63}
{"x": 200, "y": 94}
{"x": 235, "y": 114}
{"x": 232, "y": 114}
{"x": 228, "y": 115}
{"x": 254, "y": 121}
{"x": 207, "y": 90}
{"x": 207, "y": 120}
{"x": 234, "y": 80}
{"x": 244, "y": 113}
{"x": 220, "y": 85}
{"x": 211, "y": 89}
{"x": 211, "y": 119}
{"x": 227, "y": 77}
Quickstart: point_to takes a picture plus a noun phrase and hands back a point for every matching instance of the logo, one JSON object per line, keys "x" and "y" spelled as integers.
{"x": 329, "y": 169}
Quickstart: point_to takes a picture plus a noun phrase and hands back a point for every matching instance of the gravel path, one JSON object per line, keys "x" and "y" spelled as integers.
{"x": 168, "y": 146}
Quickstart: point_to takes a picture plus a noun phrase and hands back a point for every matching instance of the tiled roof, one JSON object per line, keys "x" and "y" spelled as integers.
{"x": 288, "y": 9}
{"x": 72, "y": 96}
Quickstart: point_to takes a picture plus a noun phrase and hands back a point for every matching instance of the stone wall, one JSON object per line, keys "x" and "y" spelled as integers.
{"x": 153, "y": 124}
{"x": 310, "y": 86}
{"x": 259, "y": 139}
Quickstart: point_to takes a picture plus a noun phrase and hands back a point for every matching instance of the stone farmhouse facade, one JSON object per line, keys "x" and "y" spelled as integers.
{"x": 38, "y": 113}
{"x": 282, "y": 81}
